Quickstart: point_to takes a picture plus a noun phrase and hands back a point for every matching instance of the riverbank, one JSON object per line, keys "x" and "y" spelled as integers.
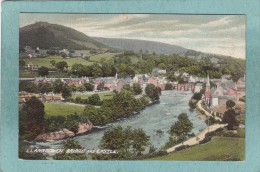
{"x": 82, "y": 128}
{"x": 64, "y": 133}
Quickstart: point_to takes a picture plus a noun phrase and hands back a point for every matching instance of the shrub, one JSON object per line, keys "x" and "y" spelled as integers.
{"x": 205, "y": 140}
{"x": 181, "y": 147}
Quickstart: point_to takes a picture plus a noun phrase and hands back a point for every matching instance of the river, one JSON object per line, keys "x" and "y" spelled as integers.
{"x": 153, "y": 118}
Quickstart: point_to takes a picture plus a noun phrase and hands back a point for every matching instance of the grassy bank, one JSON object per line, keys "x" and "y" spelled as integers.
{"x": 61, "y": 109}
{"x": 218, "y": 149}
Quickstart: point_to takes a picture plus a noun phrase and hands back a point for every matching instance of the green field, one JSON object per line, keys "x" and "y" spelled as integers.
{"x": 70, "y": 61}
{"x": 218, "y": 149}
{"x": 103, "y": 57}
{"x": 46, "y": 61}
{"x": 61, "y": 109}
{"x": 103, "y": 96}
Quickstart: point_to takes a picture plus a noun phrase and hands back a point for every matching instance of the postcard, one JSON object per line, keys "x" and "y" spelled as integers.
{"x": 132, "y": 87}
{"x": 129, "y": 89}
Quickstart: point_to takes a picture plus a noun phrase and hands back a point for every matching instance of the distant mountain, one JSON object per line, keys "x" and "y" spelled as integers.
{"x": 137, "y": 45}
{"x": 159, "y": 48}
{"x": 46, "y": 35}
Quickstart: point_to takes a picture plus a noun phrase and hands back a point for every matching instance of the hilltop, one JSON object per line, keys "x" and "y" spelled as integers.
{"x": 46, "y": 36}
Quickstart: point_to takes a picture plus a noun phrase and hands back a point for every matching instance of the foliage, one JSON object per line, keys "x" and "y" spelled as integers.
{"x": 31, "y": 118}
{"x": 181, "y": 128}
{"x": 197, "y": 96}
{"x": 45, "y": 87}
{"x": 57, "y": 86}
{"x": 66, "y": 92}
{"x": 67, "y": 145}
{"x": 168, "y": 86}
{"x": 29, "y": 87}
{"x": 43, "y": 71}
{"x": 152, "y": 92}
{"x": 100, "y": 86}
{"x": 229, "y": 117}
{"x": 89, "y": 87}
{"x": 81, "y": 88}
{"x": 61, "y": 65}
{"x": 137, "y": 88}
{"x": 127, "y": 142}
{"x": 22, "y": 63}
{"x": 230, "y": 104}
{"x": 94, "y": 99}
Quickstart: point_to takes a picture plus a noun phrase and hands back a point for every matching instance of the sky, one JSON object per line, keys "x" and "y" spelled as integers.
{"x": 218, "y": 34}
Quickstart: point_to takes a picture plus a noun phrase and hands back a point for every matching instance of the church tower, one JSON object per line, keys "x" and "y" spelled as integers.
{"x": 207, "y": 92}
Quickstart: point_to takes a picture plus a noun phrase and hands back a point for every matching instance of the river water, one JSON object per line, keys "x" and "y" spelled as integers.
{"x": 153, "y": 118}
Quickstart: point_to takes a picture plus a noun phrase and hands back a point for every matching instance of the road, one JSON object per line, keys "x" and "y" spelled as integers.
{"x": 195, "y": 140}
{"x": 199, "y": 106}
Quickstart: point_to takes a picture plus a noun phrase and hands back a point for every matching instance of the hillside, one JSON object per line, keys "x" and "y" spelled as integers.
{"x": 46, "y": 35}
{"x": 137, "y": 45}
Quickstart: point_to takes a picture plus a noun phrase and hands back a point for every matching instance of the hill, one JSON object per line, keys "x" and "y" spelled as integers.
{"x": 137, "y": 45}
{"x": 46, "y": 35}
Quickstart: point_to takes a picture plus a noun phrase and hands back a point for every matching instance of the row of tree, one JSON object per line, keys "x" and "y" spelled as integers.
{"x": 123, "y": 104}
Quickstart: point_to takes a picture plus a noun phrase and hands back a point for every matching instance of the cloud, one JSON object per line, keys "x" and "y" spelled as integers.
{"x": 210, "y": 33}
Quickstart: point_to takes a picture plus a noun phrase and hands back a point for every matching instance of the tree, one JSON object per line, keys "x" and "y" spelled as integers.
{"x": 127, "y": 87}
{"x": 61, "y": 65}
{"x": 81, "y": 88}
{"x": 162, "y": 66}
{"x": 128, "y": 143}
{"x": 152, "y": 92}
{"x": 73, "y": 88}
{"x": 197, "y": 96}
{"x": 31, "y": 118}
{"x": 100, "y": 86}
{"x": 94, "y": 99}
{"x": 43, "y": 71}
{"x": 22, "y": 63}
{"x": 89, "y": 87}
{"x": 53, "y": 62}
{"x": 137, "y": 88}
{"x": 182, "y": 127}
{"x": 57, "y": 86}
{"x": 67, "y": 145}
{"x": 140, "y": 140}
{"x": 45, "y": 87}
{"x": 229, "y": 117}
{"x": 66, "y": 92}
{"x": 63, "y": 55}
{"x": 29, "y": 87}
{"x": 168, "y": 86}
{"x": 96, "y": 70}
{"x": 94, "y": 116}
{"x": 230, "y": 104}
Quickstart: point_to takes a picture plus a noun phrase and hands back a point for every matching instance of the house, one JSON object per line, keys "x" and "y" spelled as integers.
{"x": 159, "y": 71}
{"x": 52, "y": 97}
{"x": 177, "y": 73}
{"x": 23, "y": 96}
{"x": 74, "y": 55}
{"x": 139, "y": 79}
{"x": 153, "y": 80}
